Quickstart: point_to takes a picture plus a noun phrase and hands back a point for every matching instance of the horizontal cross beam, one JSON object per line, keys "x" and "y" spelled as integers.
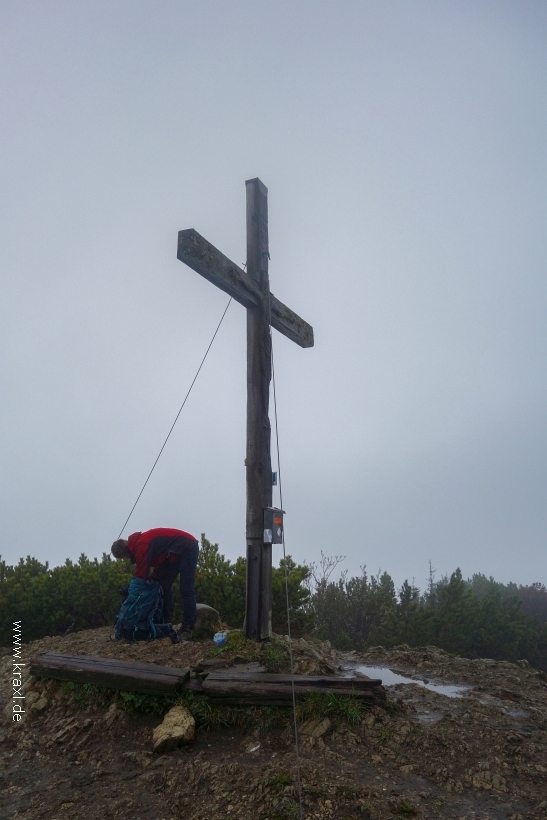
{"x": 205, "y": 259}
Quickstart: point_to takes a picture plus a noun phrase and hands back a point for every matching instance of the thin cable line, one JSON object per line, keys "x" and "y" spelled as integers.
{"x": 176, "y": 418}
{"x": 298, "y": 777}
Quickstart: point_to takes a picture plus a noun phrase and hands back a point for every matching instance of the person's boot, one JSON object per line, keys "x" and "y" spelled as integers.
{"x": 184, "y": 634}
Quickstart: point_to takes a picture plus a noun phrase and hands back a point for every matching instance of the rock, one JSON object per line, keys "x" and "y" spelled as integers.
{"x": 211, "y": 663}
{"x": 41, "y": 704}
{"x": 111, "y": 714}
{"x": 139, "y": 758}
{"x": 31, "y": 698}
{"x": 316, "y": 727}
{"x": 207, "y": 621}
{"x": 66, "y": 733}
{"x": 178, "y": 727}
{"x": 203, "y": 611}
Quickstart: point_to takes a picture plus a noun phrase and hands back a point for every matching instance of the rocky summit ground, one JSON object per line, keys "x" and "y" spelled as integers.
{"x": 476, "y": 752}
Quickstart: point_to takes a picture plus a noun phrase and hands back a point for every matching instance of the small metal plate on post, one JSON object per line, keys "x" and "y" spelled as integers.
{"x": 273, "y": 525}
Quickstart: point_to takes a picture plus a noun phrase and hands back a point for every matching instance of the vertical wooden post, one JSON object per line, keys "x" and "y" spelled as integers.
{"x": 259, "y": 466}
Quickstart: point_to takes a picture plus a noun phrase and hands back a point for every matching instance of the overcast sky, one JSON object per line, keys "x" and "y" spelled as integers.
{"x": 404, "y": 148}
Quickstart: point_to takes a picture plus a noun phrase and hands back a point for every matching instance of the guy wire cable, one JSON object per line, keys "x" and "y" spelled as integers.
{"x": 296, "y": 745}
{"x": 176, "y": 418}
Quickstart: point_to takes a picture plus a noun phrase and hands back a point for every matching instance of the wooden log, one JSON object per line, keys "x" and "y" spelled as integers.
{"x": 258, "y": 457}
{"x": 266, "y": 693}
{"x": 147, "y": 678}
{"x": 321, "y": 681}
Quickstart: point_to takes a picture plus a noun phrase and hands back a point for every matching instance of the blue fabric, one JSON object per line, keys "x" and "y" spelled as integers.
{"x": 141, "y": 614}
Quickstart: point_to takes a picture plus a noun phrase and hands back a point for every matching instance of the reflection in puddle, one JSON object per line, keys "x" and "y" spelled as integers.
{"x": 391, "y": 678}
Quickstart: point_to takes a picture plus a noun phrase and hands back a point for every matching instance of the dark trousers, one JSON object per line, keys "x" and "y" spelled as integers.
{"x": 166, "y": 573}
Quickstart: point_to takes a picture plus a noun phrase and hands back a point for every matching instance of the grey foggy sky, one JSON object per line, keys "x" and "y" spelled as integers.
{"x": 404, "y": 148}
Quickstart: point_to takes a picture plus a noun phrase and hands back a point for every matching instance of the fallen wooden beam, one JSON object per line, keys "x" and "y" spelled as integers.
{"x": 147, "y": 678}
{"x": 227, "y": 685}
{"x": 269, "y": 693}
{"x": 319, "y": 681}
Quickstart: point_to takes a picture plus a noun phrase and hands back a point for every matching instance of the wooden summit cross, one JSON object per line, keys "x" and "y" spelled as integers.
{"x": 252, "y": 289}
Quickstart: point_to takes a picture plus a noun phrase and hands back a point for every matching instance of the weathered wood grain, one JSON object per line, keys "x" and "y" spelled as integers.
{"x": 230, "y": 686}
{"x": 205, "y": 259}
{"x": 147, "y": 678}
{"x": 251, "y": 288}
{"x": 258, "y": 459}
{"x": 268, "y": 693}
{"x": 290, "y": 324}
{"x": 323, "y": 681}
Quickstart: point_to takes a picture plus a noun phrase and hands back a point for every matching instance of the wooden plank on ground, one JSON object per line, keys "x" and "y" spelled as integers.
{"x": 230, "y": 686}
{"x": 268, "y": 693}
{"x": 321, "y": 681}
{"x": 147, "y": 678}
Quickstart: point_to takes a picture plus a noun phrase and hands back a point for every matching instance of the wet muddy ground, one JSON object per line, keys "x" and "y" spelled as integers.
{"x": 479, "y": 751}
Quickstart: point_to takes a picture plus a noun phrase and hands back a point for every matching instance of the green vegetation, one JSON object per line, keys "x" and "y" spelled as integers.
{"x": 85, "y": 594}
{"x": 273, "y": 656}
{"x": 221, "y": 584}
{"x": 406, "y": 809}
{"x": 340, "y": 708}
{"x": 212, "y": 716}
{"x": 475, "y": 618}
{"x": 148, "y": 704}
{"x": 84, "y": 693}
{"x": 48, "y": 601}
{"x": 281, "y": 779}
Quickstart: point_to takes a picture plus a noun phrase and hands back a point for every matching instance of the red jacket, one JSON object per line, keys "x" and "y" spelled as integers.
{"x": 150, "y": 548}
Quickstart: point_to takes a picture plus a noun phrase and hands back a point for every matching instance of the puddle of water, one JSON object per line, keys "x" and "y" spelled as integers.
{"x": 391, "y": 678}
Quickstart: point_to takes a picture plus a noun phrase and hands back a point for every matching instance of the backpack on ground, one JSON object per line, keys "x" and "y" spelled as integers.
{"x": 140, "y": 617}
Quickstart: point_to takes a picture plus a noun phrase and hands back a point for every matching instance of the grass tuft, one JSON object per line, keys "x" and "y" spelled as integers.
{"x": 406, "y": 809}
{"x": 386, "y": 734}
{"x": 86, "y": 693}
{"x": 147, "y": 704}
{"x": 211, "y": 716}
{"x": 337, "y": 707}
{"x": 281, "y": 779}
{"x": 274, "y": 656}
{"x": 236, "y": 643}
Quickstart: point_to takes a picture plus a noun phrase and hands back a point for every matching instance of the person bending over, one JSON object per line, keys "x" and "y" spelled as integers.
{"x": 168, "y": 552}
